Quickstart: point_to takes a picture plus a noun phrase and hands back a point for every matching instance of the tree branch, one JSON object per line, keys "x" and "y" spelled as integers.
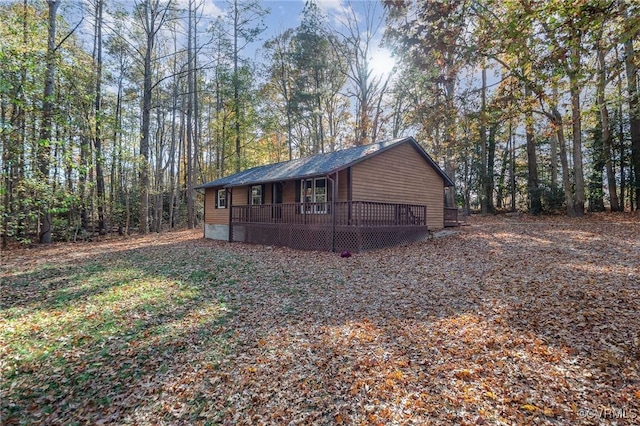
{"x": 68, "y": 35}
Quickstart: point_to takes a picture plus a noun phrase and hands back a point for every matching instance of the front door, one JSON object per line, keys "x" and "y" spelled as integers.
{"x": 277, "y": 200}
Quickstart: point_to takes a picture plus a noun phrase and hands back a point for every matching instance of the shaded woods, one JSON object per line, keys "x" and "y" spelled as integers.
{"x": 109, "y": 116}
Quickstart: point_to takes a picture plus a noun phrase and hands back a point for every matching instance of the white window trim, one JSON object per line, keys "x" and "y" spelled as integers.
{"x": 316, "y": 207}
{"x": 252, "y": 199}
{"x": 222, "y": 192}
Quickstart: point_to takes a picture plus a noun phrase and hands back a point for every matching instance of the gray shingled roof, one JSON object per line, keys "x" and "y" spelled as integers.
{"x": 317, "y": 165}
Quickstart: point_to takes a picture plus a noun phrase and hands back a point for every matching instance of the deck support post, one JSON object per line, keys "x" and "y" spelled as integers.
{"x": 334, "y": 193}
{"x": 230, "y": 207}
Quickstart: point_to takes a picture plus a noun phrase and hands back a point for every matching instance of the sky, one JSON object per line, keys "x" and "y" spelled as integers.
{"x": 287, "y": 14}
{"x": 283, "y": 14}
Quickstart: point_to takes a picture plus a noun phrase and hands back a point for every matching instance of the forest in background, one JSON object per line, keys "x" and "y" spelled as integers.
{"x": 527, "y": 105}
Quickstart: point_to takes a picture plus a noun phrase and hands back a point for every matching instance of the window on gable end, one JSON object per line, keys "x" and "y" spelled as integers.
{"x": 221, "y": 199}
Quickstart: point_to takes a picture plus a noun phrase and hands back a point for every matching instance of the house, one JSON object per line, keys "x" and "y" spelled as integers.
{"x": 356, "y": 199}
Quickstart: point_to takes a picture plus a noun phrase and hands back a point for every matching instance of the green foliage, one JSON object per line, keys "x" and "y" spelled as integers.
{"x": 299, "y": 100}
{"x": 552, "y": 199}
{"x": 318, "y": 75}
{"x": 545, "y": 47}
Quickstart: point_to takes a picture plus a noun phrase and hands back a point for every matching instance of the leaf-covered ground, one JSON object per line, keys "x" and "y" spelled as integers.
{"x": 514, "y": 320}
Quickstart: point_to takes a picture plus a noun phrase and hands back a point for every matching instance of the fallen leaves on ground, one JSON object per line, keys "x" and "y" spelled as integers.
{"x": 514, "y": 320}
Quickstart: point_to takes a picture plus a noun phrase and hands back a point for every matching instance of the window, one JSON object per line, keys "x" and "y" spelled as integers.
{"x": 256, "y": 195}
{"x": 222, "y": 199}
{"x": 314, "y": 195}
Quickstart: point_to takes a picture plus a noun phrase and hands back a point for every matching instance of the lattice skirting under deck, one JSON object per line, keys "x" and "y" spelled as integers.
{"x": 321, "y": 237}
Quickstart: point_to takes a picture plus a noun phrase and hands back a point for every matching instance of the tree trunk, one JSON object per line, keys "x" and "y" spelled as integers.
{"x": 532, "y": 162}
{"x": 512, "y": 171}
{"x": 220, "y": 124}
{"x": 318, "y": 116}
{"x": 116, "y": 188}
{"x": 576, "y": 126}
{"x": 484, "y": 203}
{"x": 491, "y": 156}
{"x": 556, "y": 118}
{"x": 82, "y": 181}
{"x": 196, "y": 116}
{"x": 189, "y": 176}
{"x": 621, "y": 139}
{"x": 450, "y": 124}
{"x": 236, "y": 83}
{"x": 377, "y": 116}
{"x": 179, "y": 167}
{"x": 606, "y": 131}
{"x": 7, "y": 172}
{"x": 98, "y": 119}
{"x": 143, "y": 170}
{"x": 634, "y": 104}
{"x": 553, "y": 157}
{"x": 156, "y": 207}
{"x": 596, "y": 196}
{"x": 501, "y": 178}
{"x": 172, "y": 148}
{"x": 44, "y": 151}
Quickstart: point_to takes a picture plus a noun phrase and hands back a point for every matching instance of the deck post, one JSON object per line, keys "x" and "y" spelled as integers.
{"x": 230, "y": 207}
{"x": 204, "y": 224}
{"x": 334, "y": 185}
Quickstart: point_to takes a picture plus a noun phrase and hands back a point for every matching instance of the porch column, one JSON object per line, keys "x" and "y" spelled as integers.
{"x": 334, "y": 195}
{"x": 230, "y": 207}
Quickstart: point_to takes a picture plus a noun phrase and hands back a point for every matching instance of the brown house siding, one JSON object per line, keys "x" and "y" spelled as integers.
{"x": 213, "y": 215}
{"x": 400, "y": 175}
{"x": 343, "y": 185}
{"x": 268, "y": 194}
{"x": 240, "y": 195}
{"x": 289, "y": 192}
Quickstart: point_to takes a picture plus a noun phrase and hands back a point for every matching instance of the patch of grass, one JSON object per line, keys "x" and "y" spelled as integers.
{"x": 87, "y": 334}
{"x": 202, "y": 276}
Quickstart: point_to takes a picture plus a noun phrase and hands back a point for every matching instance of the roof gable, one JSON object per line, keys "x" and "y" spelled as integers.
{"x": 318, "y": 165}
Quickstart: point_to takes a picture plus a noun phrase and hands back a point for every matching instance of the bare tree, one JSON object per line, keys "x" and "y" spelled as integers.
{"x": 44, "y": 151}
{"x": 97, "y": 141}
{"x": 634, "y": 97}
{"x": 245, "y": 19}
{"x": 152, "y": 15}
{"x": 366, "y": 88}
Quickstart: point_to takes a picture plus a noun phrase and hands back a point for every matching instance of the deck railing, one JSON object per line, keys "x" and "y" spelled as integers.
{"x": 346, "y": 213}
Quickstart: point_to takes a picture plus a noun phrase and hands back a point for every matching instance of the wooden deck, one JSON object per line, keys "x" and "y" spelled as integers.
{"x": 351, "y": 225}
{"x": 343, "y": 213}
